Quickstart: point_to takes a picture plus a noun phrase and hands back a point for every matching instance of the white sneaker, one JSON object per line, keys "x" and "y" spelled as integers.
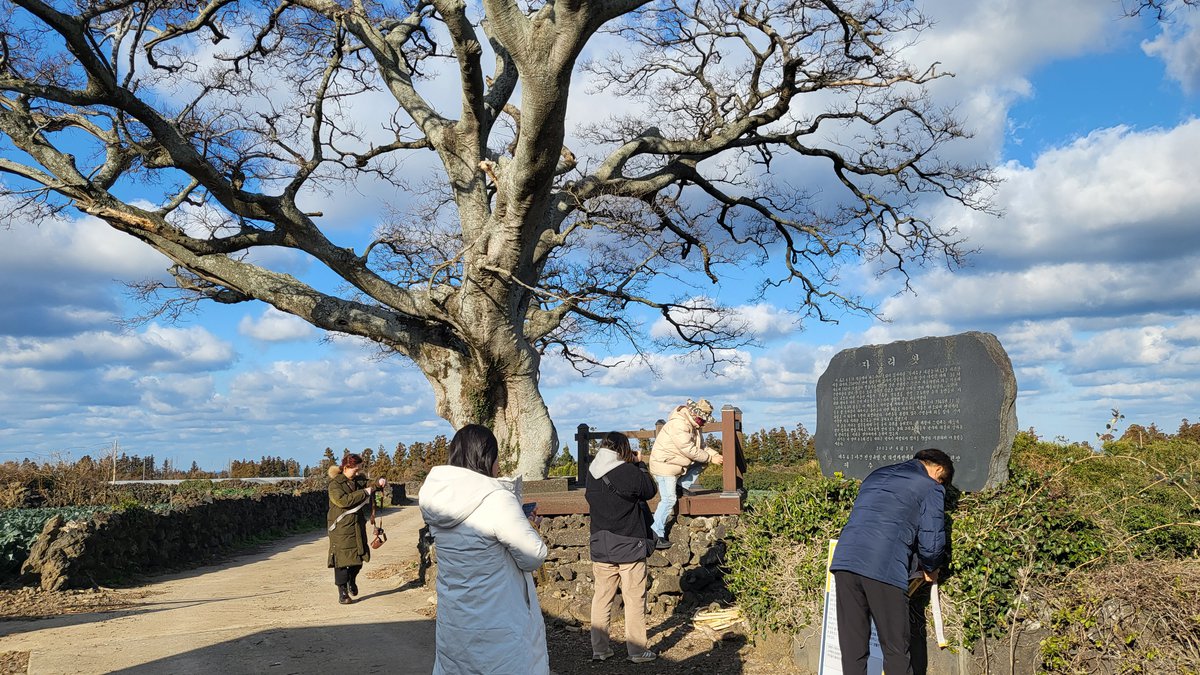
{"x": 644, "y": 657}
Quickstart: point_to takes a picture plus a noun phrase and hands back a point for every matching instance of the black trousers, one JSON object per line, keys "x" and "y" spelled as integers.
{"x": 859, "y": 600}
{"x": 345, "y": 575}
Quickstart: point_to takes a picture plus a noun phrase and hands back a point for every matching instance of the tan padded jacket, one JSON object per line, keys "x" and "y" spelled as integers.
{"x": 678, "y": 445}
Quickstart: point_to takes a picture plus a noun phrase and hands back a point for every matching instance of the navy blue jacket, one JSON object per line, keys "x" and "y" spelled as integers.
{"x": 899, "y": 513}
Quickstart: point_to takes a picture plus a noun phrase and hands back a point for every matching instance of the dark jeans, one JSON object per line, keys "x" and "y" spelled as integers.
{"x": 918, "y": 646}
{"x": 859, "y": 600}
{"x": 345, "y": 575}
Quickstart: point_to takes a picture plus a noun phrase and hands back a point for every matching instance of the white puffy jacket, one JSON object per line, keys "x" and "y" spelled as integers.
{"x": 488, "y": 617}
{"x": 678, "y": 445}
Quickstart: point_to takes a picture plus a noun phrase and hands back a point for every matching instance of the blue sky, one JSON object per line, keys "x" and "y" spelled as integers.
{"x": 1090, "y": 278}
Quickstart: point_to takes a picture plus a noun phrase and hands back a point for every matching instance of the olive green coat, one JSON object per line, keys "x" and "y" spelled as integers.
{"x": 348, "y": 539}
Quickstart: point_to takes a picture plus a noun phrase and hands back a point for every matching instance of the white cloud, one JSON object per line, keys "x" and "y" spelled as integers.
{"x": 1003, "y": 39}
{"x": 767, "y": 321}
{"x": 762, "y": 321}
{"x": 61, "y": 276}
{"x": 679, "y": 375}
{"x": 1115, "y": 193}
{"x": 1178, "y": 45}
{"x": 276, "y": 326}
{"x": 173, "y": 394}
{"x": 909, "y": 328}
{"x": 992, "y": 47}
{"x": 1040, "y": 341}
{"x": 1187, "y": 331}
{"x": 1103, "y": 226}
{"x": 1139, "y": 346}
{"x": 774, "y": 387}
{"x": 1032, "y": 380}
{"x": 194, "y": 346}
{"x": 71, "y": 247}
{"x": 158, "y": 348}
{"x": 293, "y": 408}
{"x": 1046, "y": 291}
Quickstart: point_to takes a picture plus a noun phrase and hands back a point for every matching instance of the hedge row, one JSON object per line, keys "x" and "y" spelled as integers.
{"x": 1066, "y": 513}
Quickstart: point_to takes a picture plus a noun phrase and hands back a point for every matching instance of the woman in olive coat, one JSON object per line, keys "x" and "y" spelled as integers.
{"x": 349, "y": 504}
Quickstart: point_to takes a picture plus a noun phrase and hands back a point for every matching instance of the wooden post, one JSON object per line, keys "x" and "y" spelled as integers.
{"x": 582, "y": 458}
{"x": 731, "y": 424}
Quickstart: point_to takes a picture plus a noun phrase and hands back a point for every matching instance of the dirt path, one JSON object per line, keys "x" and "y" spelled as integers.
{"x": 273, "y": 611}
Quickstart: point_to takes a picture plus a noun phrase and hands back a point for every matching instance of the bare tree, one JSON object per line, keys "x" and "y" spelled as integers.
{"x": 1162, "y": 10}
{"x": 793, "y": 136}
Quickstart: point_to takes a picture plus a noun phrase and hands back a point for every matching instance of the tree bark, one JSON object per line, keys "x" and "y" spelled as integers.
{"x": 475, "y": 390}
{"x": 549, "y": 249}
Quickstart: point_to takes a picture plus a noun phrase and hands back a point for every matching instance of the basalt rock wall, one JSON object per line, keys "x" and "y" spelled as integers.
{"x": 117, "y": 545}
{"x": 684, "y": 576}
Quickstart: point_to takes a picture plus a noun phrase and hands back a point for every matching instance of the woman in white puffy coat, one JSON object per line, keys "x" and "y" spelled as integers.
{"x": 488, "y": 617}
{"x": 678, "y": 457}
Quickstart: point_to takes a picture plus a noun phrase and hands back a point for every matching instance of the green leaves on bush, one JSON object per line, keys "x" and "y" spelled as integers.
{"x": 201, "y": 485}
{"x": 1065, "y": 510}
{"x": 776, "y": 556}
{"x": 1146, "y": 495}
{"x": 761, "y": 477}
{"x": 1007, "y": 540}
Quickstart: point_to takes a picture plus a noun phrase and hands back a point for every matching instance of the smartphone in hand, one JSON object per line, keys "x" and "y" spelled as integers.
{"x": 529, "y": 509}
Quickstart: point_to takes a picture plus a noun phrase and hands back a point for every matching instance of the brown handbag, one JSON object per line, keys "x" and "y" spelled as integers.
{"x": 380, "y": 535}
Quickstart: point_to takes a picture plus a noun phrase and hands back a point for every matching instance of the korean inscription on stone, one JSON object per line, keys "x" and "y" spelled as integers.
{"x": 880, "y": 404}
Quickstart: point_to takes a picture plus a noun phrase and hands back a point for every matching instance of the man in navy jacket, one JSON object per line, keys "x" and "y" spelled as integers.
{"x": 895, "y": 530}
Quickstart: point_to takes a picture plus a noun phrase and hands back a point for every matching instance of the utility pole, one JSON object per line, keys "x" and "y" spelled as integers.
{"x": 116, "y": 444}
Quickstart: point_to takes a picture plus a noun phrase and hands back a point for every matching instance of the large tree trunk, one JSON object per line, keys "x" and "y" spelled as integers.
{"x": 509, "y": 403}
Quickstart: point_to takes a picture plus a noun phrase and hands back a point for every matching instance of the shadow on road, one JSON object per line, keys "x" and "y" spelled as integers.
{"x": 401, "y": 647}
{"x": 16, "y": 626}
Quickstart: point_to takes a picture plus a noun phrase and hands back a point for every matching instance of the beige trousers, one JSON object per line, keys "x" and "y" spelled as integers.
{"x": 632, "y": 579}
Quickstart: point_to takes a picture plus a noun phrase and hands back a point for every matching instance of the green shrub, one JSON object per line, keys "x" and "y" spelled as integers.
{"x": 234, "y": 492}
{"x": 777, "y": 554}
{"x": 762, "y": 477}
{"x": 1137, "y": 617}
{"x": 1001, "y": 540}
{"x": 1006, "y": 540}
{"x": 564, "y": 464}
{"x": 1145, "y": 496}
{"x": 1067, "y": 511}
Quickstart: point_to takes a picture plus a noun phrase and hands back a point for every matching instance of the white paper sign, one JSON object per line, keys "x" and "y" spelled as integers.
{"x": 831, "y": 651}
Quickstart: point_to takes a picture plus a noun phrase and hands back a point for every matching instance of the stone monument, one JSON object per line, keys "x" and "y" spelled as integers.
{"x": 880, "y": 404}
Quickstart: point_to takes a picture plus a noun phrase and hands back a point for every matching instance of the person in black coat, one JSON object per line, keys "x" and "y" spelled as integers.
{"x": 618, "y": 486}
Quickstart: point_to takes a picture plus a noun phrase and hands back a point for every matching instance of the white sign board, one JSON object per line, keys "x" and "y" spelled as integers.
{"x": 831, "y": 651}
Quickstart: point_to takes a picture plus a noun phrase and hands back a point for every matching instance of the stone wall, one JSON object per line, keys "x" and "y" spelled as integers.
{"x": 114, "y": 546}
{"x": 684, "y": 576}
